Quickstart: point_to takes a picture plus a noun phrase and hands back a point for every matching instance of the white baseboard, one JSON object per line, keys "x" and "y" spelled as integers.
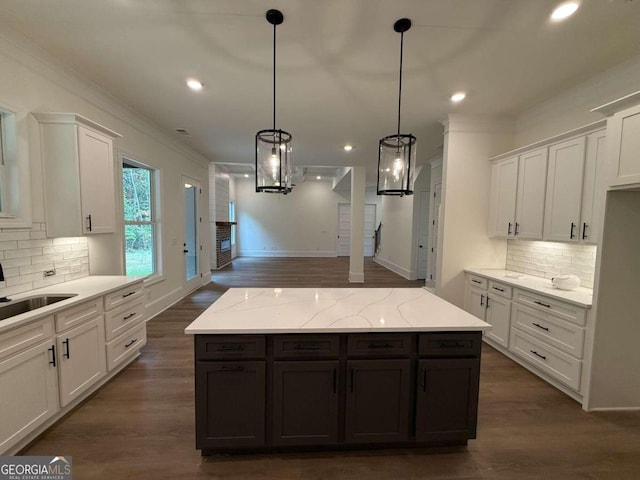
{"x": 403, "y": 272}
{"x": 285, "y": 253}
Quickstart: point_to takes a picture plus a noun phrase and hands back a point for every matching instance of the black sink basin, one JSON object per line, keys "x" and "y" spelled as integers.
{"x": 25, "y": 305}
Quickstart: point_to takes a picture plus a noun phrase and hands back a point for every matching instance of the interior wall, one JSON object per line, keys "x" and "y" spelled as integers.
{"x": 31, "y": 82}
{"x": 301, "y": 224}
{"x": 571, "y": 108}
{"x": 395, "y": 251}
{"x": 615, "y": 382}
{"x": 463, "y": 242}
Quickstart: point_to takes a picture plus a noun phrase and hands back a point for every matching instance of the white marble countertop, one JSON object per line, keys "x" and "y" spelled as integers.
{"x": 325, "y": 310}
{"x": 581, "y": 296}
{"x": 85, "y": 289}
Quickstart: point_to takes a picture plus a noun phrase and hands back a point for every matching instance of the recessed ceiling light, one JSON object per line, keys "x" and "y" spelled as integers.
{"x": 458, "y": 97}
{"x": 564, "y": 10}
{"x": 318, "y": 177}
{"x": 348, "y": 148}
{"x": 194, "y": 84}
{"x": 246, "y": 175}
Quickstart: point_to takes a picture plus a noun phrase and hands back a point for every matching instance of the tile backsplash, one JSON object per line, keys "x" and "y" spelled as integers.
{"x": 26, "y": 253}
{"x": 547, "y": 259}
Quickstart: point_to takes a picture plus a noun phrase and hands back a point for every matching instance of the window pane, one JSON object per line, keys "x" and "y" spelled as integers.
{"x": 136, "y": 186}
{"x": 139, "y": 248}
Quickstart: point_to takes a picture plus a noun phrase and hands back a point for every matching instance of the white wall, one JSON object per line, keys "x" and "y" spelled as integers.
{"x": 469, "y": 142}
{"x": 571, "y": 108}
{"x": 396, "y": 236}
{"x": 31, "y": 82}
{"x": 301, "y": 224}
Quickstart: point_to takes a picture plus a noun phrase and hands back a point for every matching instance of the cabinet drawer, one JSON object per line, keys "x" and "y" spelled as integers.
{"x": 117, "y": 298}
{"x": 476, "y": 281}
{"x": 308, "y": 346}
{"x": 552, "y": 361}
{"x": 20, "y": 338}
{"x": 125, "y": 346}
{"x": 121, "y": 319}
{"x": 77, "y": 315}
{"x": 211, "y": 347}
{"x": 379, "y": 345}
{"x": 565, "y": 311}
{"x": 565, "y": 336}
{"x": 501, "y": 289}
{"x": 449, "y": 344}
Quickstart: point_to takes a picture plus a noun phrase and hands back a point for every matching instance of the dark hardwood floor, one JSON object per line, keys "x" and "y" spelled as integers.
{"x": 141, "y": 425}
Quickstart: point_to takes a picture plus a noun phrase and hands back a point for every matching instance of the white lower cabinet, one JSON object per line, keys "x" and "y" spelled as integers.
{"x": 542, "y": 332}
{"x": 81, "y": 359}
{"x": 54, "y": 362}
{"x": 28, "y": 391}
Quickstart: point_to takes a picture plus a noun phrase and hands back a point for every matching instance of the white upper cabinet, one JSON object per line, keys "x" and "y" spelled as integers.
{"x": 532, "y": 173}
{"x": 517, "y": 196}
{"x": 504, "y": 178}
{"x": 593, "y": 187}
{"x": 623, "y": 130}
{"x": 564, "y": 190}
{"x": 78, "y": 175}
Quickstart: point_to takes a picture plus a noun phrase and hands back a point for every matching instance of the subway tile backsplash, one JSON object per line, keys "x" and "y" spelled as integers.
{"x": 25, "y": 254}
{"x": 547, "y": 259}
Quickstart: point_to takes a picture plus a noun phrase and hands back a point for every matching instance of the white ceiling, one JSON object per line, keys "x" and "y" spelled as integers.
{"x": 337, "y": 64}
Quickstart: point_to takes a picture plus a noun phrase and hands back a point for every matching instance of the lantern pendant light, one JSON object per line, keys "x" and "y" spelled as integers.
{"x": 397, "y": 153}
{"x": 273, "y": 147}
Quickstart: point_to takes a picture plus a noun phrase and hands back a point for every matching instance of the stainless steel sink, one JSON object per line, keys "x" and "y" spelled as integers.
{"x": 16, "y": 307}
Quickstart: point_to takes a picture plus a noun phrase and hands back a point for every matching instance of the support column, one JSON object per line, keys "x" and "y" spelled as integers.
{"x": 356, "y": 259}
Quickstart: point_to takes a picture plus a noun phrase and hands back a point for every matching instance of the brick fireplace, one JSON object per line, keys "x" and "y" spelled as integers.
{"x": 223, "y": 243}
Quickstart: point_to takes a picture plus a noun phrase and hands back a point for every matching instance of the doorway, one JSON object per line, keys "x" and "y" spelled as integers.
{"x": 423, "y": 233}
{"x": 191, "y": 245}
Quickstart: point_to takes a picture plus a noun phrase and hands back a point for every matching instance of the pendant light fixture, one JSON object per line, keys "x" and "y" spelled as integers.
{"x": 397, "y": 153}
{"x": 273, "y": 146}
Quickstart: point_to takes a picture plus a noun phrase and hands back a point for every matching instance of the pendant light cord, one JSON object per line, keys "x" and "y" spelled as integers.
{"x": 274, "y": 76}
{"x": 400, "y": 85}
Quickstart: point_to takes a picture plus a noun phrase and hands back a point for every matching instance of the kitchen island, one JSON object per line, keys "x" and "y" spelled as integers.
{"x": 334, "y": 368}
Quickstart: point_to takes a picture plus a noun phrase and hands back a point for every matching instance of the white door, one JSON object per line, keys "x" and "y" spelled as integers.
{"x": 532, "y": 178}
{"x": 191, "y": 244}
{"x": 343, "y": 245}
{"x": 477, "y": 302}
{"x": 498, "y": 314}
{"x": 423, "y": 233}
{"x": 433, "y": 230}
{"x": 504, "y": 181}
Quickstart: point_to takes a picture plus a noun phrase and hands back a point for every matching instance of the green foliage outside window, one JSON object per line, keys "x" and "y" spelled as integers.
{"x": 139, "y": 231}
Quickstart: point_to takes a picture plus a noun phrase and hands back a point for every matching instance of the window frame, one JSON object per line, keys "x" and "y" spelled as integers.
{"x": 156, "y": 219}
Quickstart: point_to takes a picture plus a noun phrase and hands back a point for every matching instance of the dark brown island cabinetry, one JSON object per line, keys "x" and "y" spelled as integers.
{"x": 347, "y": 390}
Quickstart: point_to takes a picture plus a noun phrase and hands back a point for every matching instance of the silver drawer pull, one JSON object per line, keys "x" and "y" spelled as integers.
{"x": 543, "y": 304}
{"x": 538, "y": 355}
{"x": 127, "y": 317}
{"x": 128, "y": 294}
{"x": 540, "y": 326}
{"x": 131, "y": 343}
{"x": 498, "y": 288}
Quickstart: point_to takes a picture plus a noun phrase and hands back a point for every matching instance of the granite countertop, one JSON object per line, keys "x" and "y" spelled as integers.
{"x": 581, "y": 296}
{"x": 86, "y": 288}
{"x": 332, "y": 310}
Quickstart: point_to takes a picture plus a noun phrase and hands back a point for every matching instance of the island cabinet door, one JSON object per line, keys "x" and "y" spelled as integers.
{"x": 377, "y": 405}
{"x": 447, "y": 399}
{"x": 230, "y": 404}
{"x": 305, "y": 403}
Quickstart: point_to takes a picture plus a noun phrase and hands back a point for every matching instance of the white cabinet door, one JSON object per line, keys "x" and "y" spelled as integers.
{"x": 564, "y": 191}
{"x": 593, "y": 190}
{"x": 476, "y": 302}
{"x": 624, "y": 133}
{"x": 81, "y": 358}
{"x": 499, "y": 316}
{"x": 28, "y": 393}
{"x": 532, "y": 178}
{"x": 96, "y": 181}
{"x": 504, "y": 181}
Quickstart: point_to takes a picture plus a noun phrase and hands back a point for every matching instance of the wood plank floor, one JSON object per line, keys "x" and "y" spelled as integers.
{"x": 141, "y": 425}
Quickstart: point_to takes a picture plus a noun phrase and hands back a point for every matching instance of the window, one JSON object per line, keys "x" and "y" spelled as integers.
{"x": 232, "y": 218}
{"x": 140, "y": 219}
